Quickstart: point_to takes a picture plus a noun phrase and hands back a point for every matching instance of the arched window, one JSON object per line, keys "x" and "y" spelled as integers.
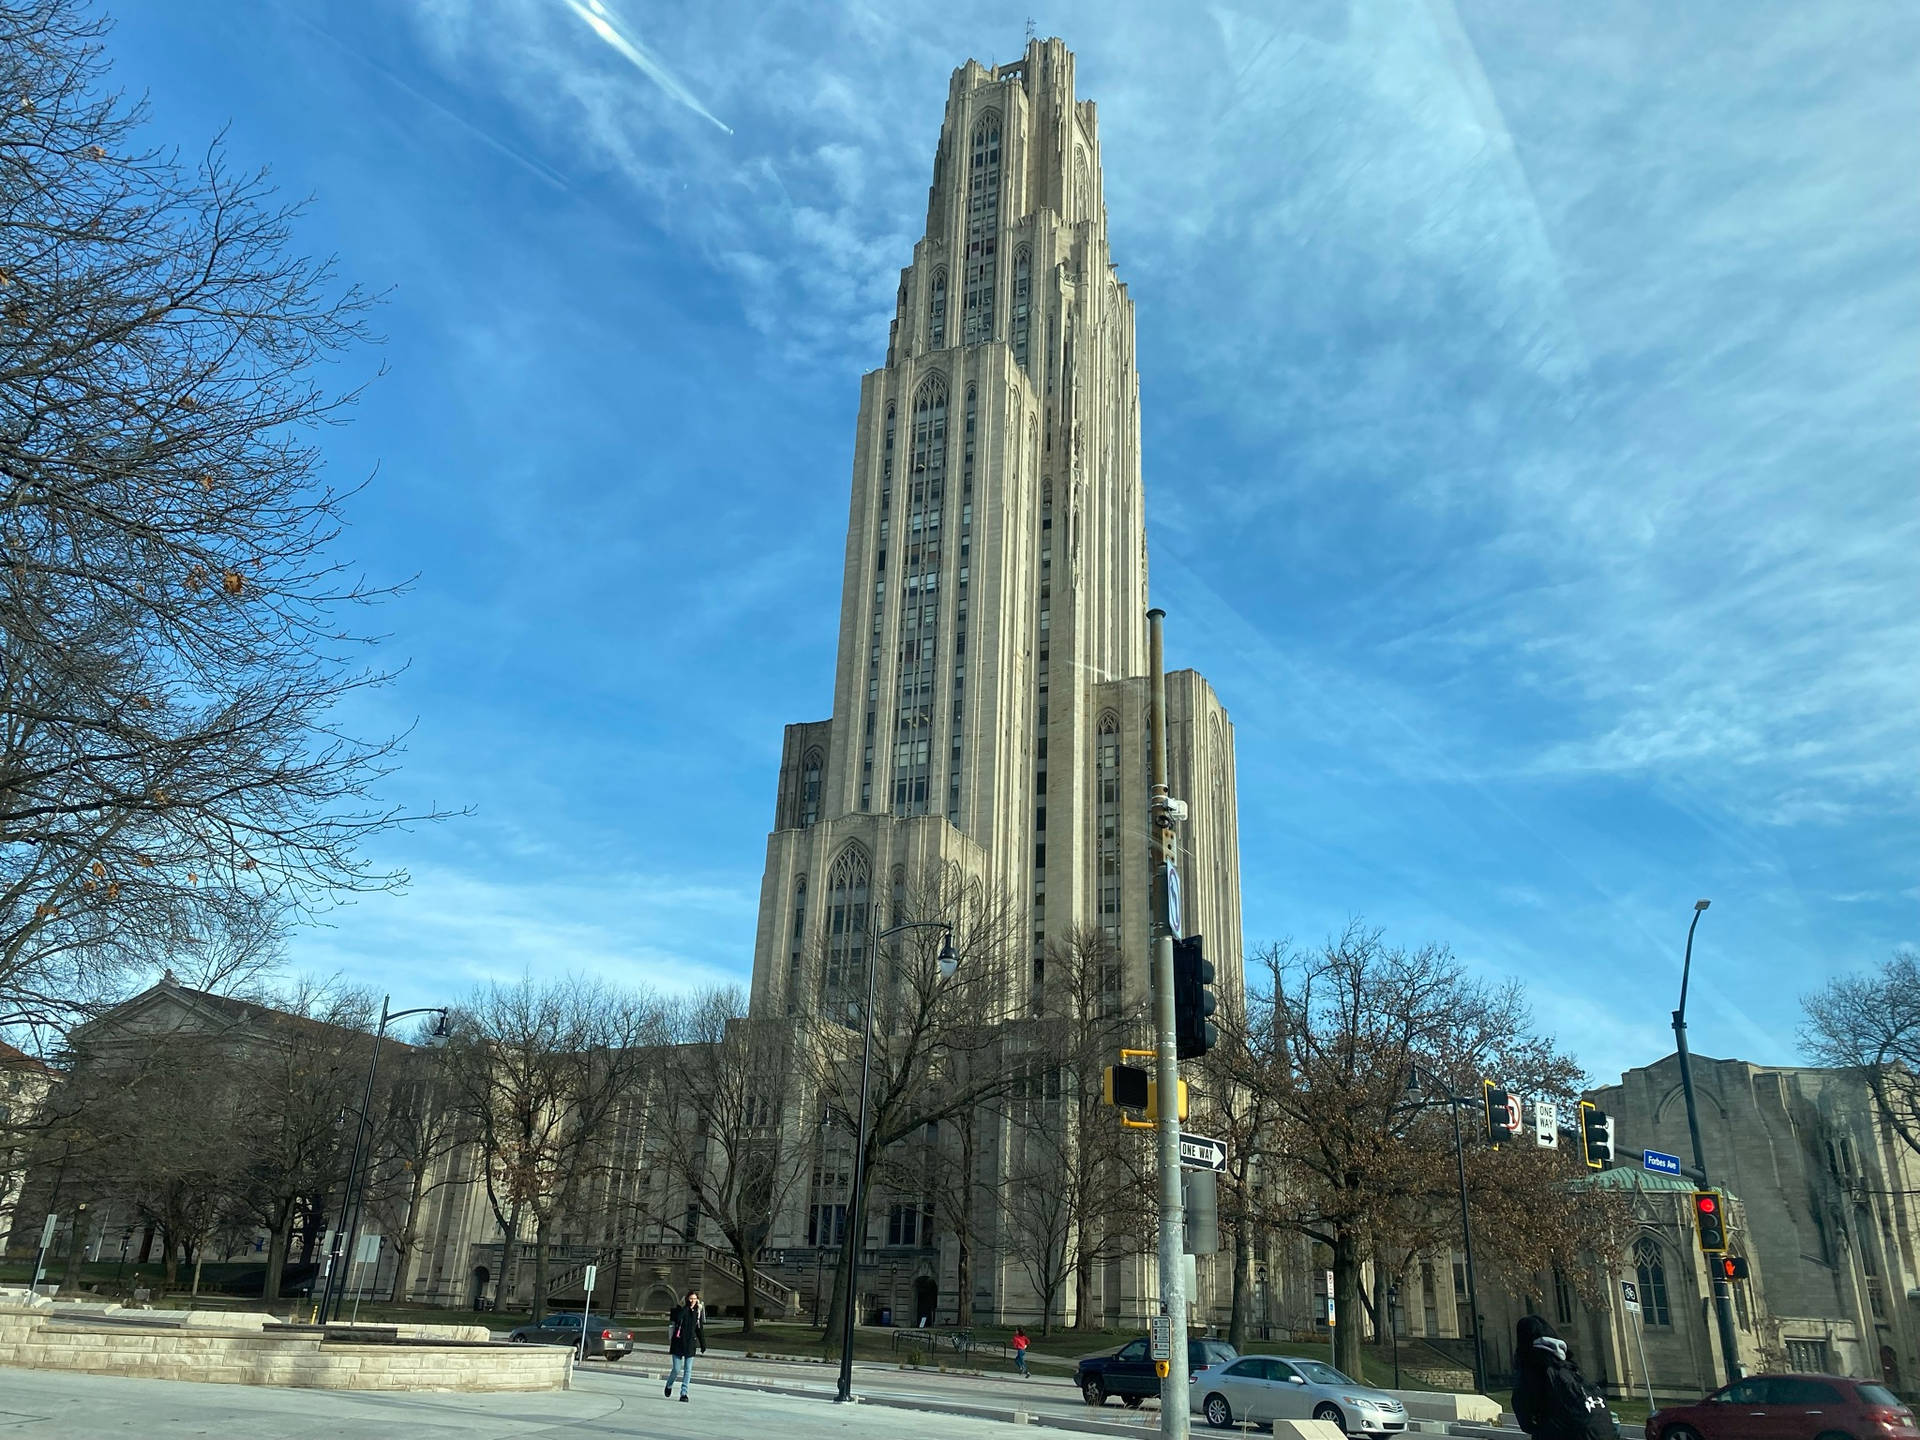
{"x": 983, "y": 229}
{"x": 937, "y": 312}
{"x": 848, "y": 885}
{"x": 1653, "y": 1282}
{"x": 810, "y": 788}
{"x": 1022, "y": 302}
{"x": 796, "y": 947}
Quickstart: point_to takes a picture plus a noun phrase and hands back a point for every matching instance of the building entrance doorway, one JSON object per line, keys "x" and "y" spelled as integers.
{"x": 926, "y": 1299}
{"x": 480, "y": 1279}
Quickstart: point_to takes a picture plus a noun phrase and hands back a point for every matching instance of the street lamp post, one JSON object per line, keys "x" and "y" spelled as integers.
{"x": 1393, "y": 1330}
{"x": 350, "y": 1204}
{"x": 855, "y": 1220}
{"x": 1453, "y": 1103}
{"x": 1722, "y": 1295}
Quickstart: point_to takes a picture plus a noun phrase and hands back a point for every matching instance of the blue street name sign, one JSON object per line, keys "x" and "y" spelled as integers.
{"x": 1661, "y": 1164}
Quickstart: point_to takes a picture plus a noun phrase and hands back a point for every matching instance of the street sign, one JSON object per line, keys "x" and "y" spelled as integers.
{"x": 1330, "y": 1300}
{"x": 1546, "y": 1124}
{"x": 1660, "y": 1164}
{"x": 593, "y": 1274}
{"x": 1197, "y": 1152}
{"x": 1160, "y": 1345}
{"x": 1630, "y": 1296}
{"x": 1173, "y": 898}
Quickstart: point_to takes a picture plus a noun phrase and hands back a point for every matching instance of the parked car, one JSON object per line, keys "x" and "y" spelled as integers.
{"x": 1259, "y": 1389}
{"x": 605, "y": 1340}
{"x": 1128, "y": 1373}
{"x": 1788, "y": 1407}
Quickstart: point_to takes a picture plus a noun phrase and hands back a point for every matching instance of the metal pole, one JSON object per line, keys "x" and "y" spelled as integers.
{"x": 1722, "y": 1295}
{"x": 329, "y": 1296}
{"x": 1175, "y": 1422}
{"x": 849, "y": 1298}
{"x": 1466, "y": 1239}
{"x": 1393, "y": 1330}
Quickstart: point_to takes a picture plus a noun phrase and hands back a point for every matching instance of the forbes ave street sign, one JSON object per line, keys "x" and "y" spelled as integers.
{"x": 1197, "y": 1152}
{"x": 1660, "y": 1164}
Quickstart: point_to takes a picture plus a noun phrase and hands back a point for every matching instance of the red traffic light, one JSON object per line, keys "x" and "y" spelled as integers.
{"x": 1705, "y": 1204}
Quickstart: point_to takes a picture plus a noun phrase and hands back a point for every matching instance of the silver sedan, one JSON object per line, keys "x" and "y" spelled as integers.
{"x": 1259, "y": 1389}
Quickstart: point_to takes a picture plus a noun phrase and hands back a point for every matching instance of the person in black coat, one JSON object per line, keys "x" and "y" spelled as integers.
{"x": 686, "y": 1328}
{"x": 1550, "y": 1399}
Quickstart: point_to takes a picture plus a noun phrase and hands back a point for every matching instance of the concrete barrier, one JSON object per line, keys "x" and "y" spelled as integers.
{"x": 1307, "y": 1430}
{"x": 31, "y": 1339}
{"x": 1443, "y": 1405}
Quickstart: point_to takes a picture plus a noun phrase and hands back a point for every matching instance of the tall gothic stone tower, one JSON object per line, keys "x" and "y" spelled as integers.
{"x": 988, "y": 701}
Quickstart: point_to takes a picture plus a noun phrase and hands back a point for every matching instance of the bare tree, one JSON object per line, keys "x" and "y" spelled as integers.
{"x": 1871, "y": 1024}
{"x": 1339, "y": 1040}
{"x": 1074, "y": 1192}
{"x": 542, "y": 1073}
{"x": 936, "y": 1039}
{"x": 175, "y": 623}
{"x": 418, "y": 1128}
{"x": 727, "y": 1131}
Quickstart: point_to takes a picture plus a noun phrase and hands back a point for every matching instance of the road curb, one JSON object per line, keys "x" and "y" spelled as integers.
{"x": 1003, "y": 1414}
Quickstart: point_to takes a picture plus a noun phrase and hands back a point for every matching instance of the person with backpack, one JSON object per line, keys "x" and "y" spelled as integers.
{"x": 1020, "y": 1350}
{"x": 1551, "y": 1401}
{"x": 686, "y": 1328}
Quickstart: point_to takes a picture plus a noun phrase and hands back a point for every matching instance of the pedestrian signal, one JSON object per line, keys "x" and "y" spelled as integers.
{"x": 1128, "y": 1087}
{"x": 1709, "y": 1215}
{"x": 1596, "y": 1136}
{"x": 1732, "y": 1267}
{"x": 1503, "y": 1113}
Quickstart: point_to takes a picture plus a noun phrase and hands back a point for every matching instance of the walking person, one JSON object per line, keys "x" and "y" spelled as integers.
{"x": 1020, "y": 1350}
{"x": 686, "y": 1328}
{"x": 1551, "y": 1400}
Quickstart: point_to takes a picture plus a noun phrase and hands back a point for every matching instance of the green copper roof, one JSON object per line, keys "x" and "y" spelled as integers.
{"x": 1626, "y": 1177}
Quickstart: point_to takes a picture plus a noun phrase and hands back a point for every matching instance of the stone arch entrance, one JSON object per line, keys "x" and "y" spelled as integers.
{"x": 481, "y": 1276}
{"x": 926, "y": 1301}
{"x": 658, "y": 1299}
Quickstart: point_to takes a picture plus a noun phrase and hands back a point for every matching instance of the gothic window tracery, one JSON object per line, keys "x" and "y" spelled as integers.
{"x": 937, "y": 313}
{"x": 1022, "y": 302}
{"x": 983, "y": 230}
{"x": 1652, "y": 1271}
{"x": 810, "y": 789}
{"x": 848, "y": 887}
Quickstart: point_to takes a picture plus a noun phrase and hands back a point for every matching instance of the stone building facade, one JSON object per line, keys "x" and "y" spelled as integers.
{"x": 990, "y": 695}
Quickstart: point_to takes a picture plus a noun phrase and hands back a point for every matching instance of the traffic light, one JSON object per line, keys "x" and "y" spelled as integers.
{"x": 1503, "y": 1112}
{"x": 1709, "y": 1215}
{"x": 1193, "y": 1001}
{"x": 1732, "y": 1267}
{"x": 1596, "y": 1136}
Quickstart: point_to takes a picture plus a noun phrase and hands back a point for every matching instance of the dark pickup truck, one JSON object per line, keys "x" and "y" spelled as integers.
{"x": 605, "y": 1340}
{"x": 1128, "y": 1373}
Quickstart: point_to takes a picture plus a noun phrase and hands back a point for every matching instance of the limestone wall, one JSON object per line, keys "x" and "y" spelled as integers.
{"x": 36, "y": 1341}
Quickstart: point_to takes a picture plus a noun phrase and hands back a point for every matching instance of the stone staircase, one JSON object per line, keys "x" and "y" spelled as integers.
{"x": 649, "y": 1273}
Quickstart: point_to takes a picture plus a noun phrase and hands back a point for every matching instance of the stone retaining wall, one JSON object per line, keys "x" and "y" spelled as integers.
{"x": 36, "y": 1341}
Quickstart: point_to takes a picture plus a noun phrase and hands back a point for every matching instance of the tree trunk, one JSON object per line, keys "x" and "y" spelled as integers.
{"x": 278, "y": 1239}
{"x": 749, "y": 1271}
{"x": 963, "y": 1278}
{"x": 509, "y": 1282}
{"x": 848, "y": 1293}
{"x": 1083, "y": 1284}
{"x": 541, "y": 1225}
{"x": 1346, "y": 1289}
{"x": 173, "y": 1258}
{"x": 963, "y": 1256}
{"x": 1242, "y": 1280}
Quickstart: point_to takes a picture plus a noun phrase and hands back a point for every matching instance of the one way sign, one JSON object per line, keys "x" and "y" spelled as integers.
{"x": 1197, "y": 1152}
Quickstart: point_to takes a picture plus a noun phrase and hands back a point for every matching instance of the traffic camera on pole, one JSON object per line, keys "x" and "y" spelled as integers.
{"x": 1710, "y": 1217}
{"x": 1193, "y": 1000}
{"x": 1596, "y": 1136}
{"x": 1503, "y": 1113}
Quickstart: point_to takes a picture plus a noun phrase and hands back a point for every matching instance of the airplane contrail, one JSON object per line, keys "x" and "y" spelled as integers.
{"x": 601, "y": 23}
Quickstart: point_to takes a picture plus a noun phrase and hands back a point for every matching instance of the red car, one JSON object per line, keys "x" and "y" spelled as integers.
{"x": 1789, "y": 1407}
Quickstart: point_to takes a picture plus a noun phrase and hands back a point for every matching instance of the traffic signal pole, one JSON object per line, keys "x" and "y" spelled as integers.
{"x": 1175, "y": 1421}
{"x": 1722, "y": 1292}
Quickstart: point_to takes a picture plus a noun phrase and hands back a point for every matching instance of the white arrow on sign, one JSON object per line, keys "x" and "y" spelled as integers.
{"x": 1197, "y": 1152}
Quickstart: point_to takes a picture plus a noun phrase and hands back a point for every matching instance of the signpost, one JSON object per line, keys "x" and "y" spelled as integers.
{"x": 586, "y": 1316}
{"x": 1198, "y": 1152}
{"x": 1660, "y": 1164}
{"x": 1630, "y": 1302}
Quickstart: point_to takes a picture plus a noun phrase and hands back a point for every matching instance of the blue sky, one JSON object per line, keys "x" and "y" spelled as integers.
{"x": 1530, "y": 434}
